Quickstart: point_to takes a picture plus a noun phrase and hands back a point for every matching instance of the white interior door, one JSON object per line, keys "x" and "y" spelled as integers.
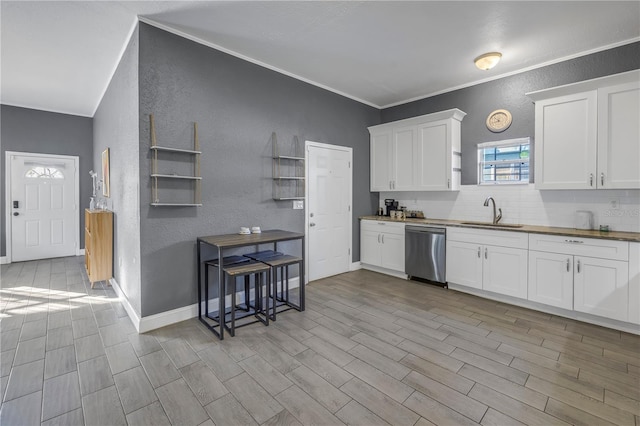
{"x": 329, "y": 210}
{"x": 43, "y": 207}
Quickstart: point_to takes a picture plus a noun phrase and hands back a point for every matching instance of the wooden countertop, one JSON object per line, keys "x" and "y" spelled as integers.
{"x": 239, "y": 240}
{"x": 533, "y": 229}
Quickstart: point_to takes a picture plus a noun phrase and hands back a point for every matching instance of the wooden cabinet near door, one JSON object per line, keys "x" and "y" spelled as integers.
{"x": 98, "y": 243}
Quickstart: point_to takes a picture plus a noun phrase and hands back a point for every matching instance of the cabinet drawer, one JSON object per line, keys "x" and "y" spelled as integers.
{"x": 383, "y": 226}
{"x": 488, "y": 236}
{"x": 591, "y": 247}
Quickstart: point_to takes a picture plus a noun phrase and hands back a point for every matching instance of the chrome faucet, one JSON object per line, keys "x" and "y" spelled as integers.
{"x": 497, "y": 218}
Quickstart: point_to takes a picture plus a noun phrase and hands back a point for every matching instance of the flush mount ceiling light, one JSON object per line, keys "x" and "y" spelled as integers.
{"x": 488, "y": 60}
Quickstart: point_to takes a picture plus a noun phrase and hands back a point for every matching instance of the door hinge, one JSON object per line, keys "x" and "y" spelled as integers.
{"x": 349, "y": 164}
{"x": 349, "y": 208}
{"x": 349, "y": 252}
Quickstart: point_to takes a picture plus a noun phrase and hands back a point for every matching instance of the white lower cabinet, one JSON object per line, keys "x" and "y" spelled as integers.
{"x": 551, "y": 279}
{"x": 382, "y": 244}
{"x": 505, "y": 271}
{"x": 600, "y": 287}
{"x": 490, "y": 260}
{"x": 464, "y": 264}
{"x": 634, "y": 283}
{"x": 583, "y": 274}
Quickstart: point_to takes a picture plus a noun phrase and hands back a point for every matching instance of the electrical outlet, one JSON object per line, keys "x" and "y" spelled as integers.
{"x": 614, "y": 203}
{"x": 298, "y": 204}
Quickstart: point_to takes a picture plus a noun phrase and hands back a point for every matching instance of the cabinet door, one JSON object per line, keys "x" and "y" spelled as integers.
{"x": 601, "y": 287}
{"x": 505, "y": 271}
{"x": 551, "y": 279}
{"x": 392, "y": 252}
{"x": 403, "y": 169}
{"x": 619, "y": 136}
{"x": 434, "y": 156}
{"x": 634, "y": 283}
{"x": 565, "y": 150}
{"x": 464, "y": 264}
{"x": 370, "y": 247}
{"x": 381, "y": 161}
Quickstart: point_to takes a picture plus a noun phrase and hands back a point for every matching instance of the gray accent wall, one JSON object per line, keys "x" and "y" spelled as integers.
{"x": 115, "y": 126}
{"x": 509, "y": 93}
{"x": 237, "y": 106}
{"x": 28, "y": 130}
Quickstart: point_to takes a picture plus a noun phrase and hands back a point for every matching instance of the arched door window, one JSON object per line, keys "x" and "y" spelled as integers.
{"x": 43, "y": 172}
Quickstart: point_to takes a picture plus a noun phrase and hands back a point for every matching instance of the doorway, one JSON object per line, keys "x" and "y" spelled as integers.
{"x": 42, "y": 206}
{"x": 329, "y": 213}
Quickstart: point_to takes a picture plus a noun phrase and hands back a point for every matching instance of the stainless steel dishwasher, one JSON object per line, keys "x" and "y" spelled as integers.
{"x": 425, "y": 253}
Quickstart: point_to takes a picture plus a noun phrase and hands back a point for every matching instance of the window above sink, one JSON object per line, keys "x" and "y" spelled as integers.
{"x": 504, "y": 162}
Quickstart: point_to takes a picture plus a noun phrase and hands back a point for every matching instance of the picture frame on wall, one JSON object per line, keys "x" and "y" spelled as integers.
{"x": 105, "y": 173}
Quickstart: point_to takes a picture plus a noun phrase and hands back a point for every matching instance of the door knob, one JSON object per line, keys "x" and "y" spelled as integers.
{"x": 16, "y": 213}
{"x": 310, "y": 214}
{"x": 312, "y": 224}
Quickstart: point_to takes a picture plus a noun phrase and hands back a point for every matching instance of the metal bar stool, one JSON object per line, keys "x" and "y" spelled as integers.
{"x": 259, "y": 255}
{"x": 281, "y": 263}
{"x": 214, "y": 263}
{"x": 246, "y": 269}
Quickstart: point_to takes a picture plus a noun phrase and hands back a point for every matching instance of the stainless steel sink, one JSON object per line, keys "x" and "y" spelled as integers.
{"x": 497, "y": 225}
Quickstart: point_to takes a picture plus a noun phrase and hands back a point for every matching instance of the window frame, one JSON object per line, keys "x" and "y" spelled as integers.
{"x": 502, "y": 144}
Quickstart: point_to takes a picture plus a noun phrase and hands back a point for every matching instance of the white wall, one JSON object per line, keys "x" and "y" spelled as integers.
{"x": 525, "y": 205}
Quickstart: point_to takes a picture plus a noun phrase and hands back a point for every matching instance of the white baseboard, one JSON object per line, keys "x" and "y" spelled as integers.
{"x": 133, "y": 315}
{"x": 173, "y": 316}
{"x": 163, "y": 319}
{"x": 4, "y": 260}
{"x": 384, "y": 271}
{"x": 355, "y": 266}
{"x": 578, "y": 316}
{"x": 80, "y": 252}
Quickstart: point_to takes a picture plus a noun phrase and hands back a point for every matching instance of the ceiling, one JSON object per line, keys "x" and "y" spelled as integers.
{"x": 60, "y": 55}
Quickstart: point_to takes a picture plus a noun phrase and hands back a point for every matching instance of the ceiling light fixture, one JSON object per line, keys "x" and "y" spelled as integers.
{"x": 488, "y": 60}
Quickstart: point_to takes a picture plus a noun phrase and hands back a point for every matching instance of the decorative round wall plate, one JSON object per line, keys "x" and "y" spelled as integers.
{"x": 499, "y": 120}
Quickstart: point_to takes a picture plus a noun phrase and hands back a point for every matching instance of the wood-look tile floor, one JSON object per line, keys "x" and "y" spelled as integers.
{"x": 369, "y": 350}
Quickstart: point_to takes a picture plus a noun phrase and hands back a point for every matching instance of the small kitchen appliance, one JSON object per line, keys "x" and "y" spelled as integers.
{"x": 391, "y": 205}
{"x": 584, "y": 219}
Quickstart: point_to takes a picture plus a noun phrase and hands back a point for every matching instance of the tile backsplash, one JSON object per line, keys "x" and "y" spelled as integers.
{"x": 620, "y": 209}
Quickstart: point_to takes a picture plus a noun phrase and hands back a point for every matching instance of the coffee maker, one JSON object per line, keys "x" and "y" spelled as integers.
{"x": 391, "y": 205}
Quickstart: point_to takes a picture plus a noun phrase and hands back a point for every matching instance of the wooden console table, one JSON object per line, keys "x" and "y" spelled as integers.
{"x": 229, "y": 241}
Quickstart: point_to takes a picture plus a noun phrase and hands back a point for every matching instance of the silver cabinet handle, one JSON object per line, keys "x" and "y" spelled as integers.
{"x": 574, "y": 241}
{"x": 448, "y": 183}
{"x": 578, "y": 266}
{"x": 378, "y": 238}
{"x": 590, "y": 179}
{"x": 479, "y": 253}
{"x": 390, "y": 187}
{"x": 485, "y": 252}
{"x": 601, "y": 179}
{"x": 382, "y": 238}
{"x": 568, "y": 264}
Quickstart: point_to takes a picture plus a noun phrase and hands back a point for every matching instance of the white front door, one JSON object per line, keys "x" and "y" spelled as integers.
{"x": 43, "y": 208}
{"x": 329, "y": 210}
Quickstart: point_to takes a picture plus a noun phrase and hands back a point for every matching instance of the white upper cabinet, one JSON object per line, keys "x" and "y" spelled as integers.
{"x": 417, "y": 154}
{"x": 587, "y": 134}
{"x": 619, "y": 136}
{"x": 381, "y": 160}
{"x": 565, "y": 144}
{"x": 403, "y": 166}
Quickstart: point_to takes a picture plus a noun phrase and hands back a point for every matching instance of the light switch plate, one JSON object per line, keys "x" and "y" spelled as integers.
{"x": 298, "y": 204}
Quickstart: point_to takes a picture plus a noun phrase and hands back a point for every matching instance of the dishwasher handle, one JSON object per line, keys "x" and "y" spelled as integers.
{"x": 425, "y": 229}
